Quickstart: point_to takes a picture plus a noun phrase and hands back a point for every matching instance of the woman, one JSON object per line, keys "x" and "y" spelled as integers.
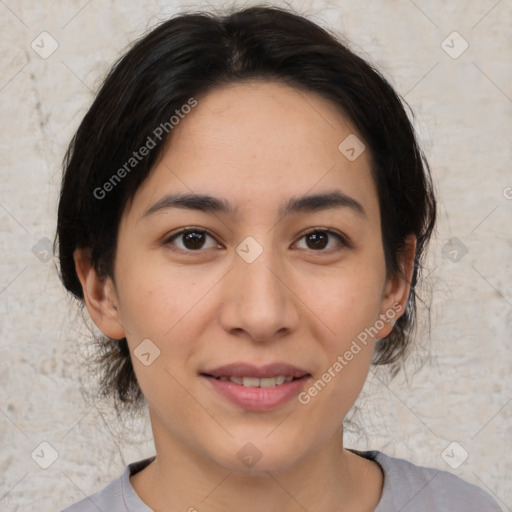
{"x": 244, "y": 211}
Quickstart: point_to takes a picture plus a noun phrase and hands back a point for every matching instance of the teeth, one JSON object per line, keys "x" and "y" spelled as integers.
{"x": 251, "y": 382}
{"x": 269, "y": 382}
{"x": 254, "y": 382}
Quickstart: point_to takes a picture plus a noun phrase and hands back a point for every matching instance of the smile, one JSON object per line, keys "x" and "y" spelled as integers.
{"x": 256, "y": 388}
{"x": 255, "y": 382}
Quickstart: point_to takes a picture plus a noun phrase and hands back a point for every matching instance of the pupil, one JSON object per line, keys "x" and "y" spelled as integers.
{"x": 193, "y": 240}
{"x": 318, "y": 239}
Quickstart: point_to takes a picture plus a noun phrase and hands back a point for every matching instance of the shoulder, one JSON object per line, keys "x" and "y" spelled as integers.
{"x": 117, "y": 496}
{"x": 408, "y": 488}
{"x": 109, "y": 498}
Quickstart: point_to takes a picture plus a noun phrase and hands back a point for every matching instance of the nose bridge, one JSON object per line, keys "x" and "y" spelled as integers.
{"x": 257, "y": 300}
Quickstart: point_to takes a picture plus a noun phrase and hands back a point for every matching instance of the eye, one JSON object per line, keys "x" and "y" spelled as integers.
{"x": 319, "y": 239}
{"x": 192, "y": 239}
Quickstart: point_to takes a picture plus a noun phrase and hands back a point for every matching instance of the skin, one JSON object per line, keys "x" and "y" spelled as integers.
{"x": 256, "y": 145}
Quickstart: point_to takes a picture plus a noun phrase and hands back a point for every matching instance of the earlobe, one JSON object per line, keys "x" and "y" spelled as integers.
{"x": 99, "y": 295}
{"x": 396, "y": 293}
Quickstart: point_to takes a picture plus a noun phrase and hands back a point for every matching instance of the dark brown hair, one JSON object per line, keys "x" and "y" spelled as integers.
{"x": 188, "y": 56}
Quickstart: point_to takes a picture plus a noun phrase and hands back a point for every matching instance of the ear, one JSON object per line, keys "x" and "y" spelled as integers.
{"x": 100, "y": 296}
{"x": 397, "y": 289}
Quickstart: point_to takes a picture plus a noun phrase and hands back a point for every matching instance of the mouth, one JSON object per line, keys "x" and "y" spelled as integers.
{"x": 257, "y": 388}
{"x": 255, "y": 382}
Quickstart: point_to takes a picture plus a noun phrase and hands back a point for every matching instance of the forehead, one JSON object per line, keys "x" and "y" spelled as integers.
{"x": 260, "y": 143}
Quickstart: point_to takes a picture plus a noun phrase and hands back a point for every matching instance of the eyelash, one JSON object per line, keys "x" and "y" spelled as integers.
{"x": 342, "y": 239}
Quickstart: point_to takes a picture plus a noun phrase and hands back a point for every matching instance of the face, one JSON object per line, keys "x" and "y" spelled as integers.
{"x": 254, "y": 284}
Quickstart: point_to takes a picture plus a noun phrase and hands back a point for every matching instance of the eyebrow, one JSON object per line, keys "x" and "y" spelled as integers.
{"x": 211, "y": 204}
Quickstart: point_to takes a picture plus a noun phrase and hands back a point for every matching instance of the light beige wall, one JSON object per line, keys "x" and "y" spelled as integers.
{"x": 463, "y": 109}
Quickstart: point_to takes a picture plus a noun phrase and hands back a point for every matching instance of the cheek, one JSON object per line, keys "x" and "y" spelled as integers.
{"x": 169, "y": 307}
{"x": 348, "y": 301}
{"x": 155, "y": 298}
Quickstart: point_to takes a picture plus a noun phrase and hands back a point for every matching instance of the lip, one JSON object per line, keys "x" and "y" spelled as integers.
{"x": 257, "y": 399}
{"x": 249, "y": 370}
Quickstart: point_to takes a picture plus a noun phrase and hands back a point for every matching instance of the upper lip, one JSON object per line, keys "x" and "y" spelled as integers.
{"x": 249, "y": 370}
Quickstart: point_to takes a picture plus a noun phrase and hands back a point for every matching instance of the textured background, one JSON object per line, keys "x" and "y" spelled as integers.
{"x": 462, "y": 393}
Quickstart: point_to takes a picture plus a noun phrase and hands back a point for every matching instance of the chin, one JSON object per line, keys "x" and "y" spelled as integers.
{"x": 258, "y": 455}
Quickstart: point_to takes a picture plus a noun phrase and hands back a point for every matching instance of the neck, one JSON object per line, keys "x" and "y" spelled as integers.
{"x": 330, "y": 479}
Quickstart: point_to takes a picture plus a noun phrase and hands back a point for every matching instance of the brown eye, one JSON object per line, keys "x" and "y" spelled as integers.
{"x": 317, "y": 240}
{"x": 192, "y": 240}
{"x": 322, "y": 239}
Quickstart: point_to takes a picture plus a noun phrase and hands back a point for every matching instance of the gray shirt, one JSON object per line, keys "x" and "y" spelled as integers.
{"x": 407, "y": 488}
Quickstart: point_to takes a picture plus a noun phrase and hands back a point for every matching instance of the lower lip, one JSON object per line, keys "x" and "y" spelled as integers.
{"x": 257, "y": 399}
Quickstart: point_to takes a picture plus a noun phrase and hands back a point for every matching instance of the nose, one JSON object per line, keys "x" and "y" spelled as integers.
{"x": 258, "y": 303}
